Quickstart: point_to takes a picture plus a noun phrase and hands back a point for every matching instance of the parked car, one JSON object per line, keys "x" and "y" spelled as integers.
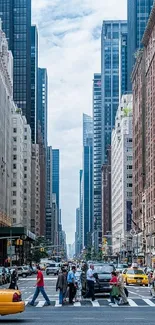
{"x": 3, "y": 277}
{"x": 103, "y": 276}
{"x": 23, "y": 271}
{"x": 53, "y": 268}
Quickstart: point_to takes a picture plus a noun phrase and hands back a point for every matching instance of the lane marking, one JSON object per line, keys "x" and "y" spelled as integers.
{"x": 149, "y": 302}
{"x": 132, "y": 303}
{"x": 26, "y": 302}
{"x": 57, "y": 304}
{"x": 95, "y": 304}
{"x": 77, "y": 304}
{"x": 40, "y": 304}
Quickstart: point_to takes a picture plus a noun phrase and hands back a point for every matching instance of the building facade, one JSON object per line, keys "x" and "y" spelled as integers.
{"x": 18, "y": 33}
{"x": 21, "y": 171}
{"x": 35, "y": 191}
{"x": 106, "y": 195}
{"x": 49, "y": 185}
{"x": 138, "y": 14}
{"x": 143, "y": 142}
{"x": 87, "y": 179}
{"x": 121, "y": 175}
{"x": 113, "y": 75}
{"x": 56, "y": 176}
{"x": 77, "y": 233}
{"x": 97, "y": 158}
{"x": 6, "y": 109}
{"x": 43, "y": 102}
{"x": 34, "y": 84}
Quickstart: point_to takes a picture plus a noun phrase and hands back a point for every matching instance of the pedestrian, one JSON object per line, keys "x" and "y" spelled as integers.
{"x": 61, "y": 285}
{"x": 90, "y": 283}
{"x": 114, "y": 295}
{"x": 121, "y": 288}
{"x": 40, "y": 288}
{"x": 13, "y": 283}
{"x": 71, "y": 279}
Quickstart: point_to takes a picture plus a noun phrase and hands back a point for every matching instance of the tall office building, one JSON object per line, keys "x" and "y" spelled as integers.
{"x": 113, "y": 75}
{"x": 56, "y": 175}
{"x": 43, "y": 102}
{"x": 87, "y": 179}
{"x": 16, "y": 23}
{"x": 49, "y": 194}
{"x": 81, "y": 210}
{"x": 77, "y": 233}
{"x": 34, "y": 84}
{"x": 138, "y": 14}
{"x": 97, "y": 156}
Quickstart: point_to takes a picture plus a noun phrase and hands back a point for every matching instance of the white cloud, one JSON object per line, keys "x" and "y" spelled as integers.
{"x": 69, "y": 47}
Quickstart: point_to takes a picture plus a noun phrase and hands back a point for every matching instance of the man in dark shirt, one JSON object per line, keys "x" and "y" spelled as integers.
{"x": 40, "y": 288}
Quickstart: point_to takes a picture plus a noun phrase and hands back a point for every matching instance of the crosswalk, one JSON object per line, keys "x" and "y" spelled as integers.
{"x": 137, "y": 302}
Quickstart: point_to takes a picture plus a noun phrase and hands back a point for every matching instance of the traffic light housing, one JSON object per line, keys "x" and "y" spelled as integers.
{"x": 19, "y": 242}
{"x": 41, "y": 249}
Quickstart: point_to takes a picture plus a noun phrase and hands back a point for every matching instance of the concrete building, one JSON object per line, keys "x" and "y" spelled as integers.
{"x": 106, "y": 195}
{"x": 87, "y": 180}
{"x": 35, "y": 191}
{"x": 49, "y": 194}
{"x": 54, "y": 224}
{"x": 42, "y": 163}
{"x": 97, "y": 160}
{"x": 6, "y": 109}
{"x": 143, "y": 142}
{"x": 121, "y": 175}
{"x": 138, "y": 14}
{"x": 34, "y": 84}
{"x": 21, "y": 170}
{"x": 43, "y": 102}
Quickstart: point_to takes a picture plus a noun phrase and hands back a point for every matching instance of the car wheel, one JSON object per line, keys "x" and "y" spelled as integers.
{"x": 146, "y": 285}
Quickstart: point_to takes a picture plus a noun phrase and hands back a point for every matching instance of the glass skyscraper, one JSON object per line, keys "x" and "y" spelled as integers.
{"x": 138, "y": 14}
{"x": 43, "y": 102}
{"x": 97, "y": 153}
{"x": 49, "y": 193}
{"x": 113, "y": 75}
{"x": 87, "y": 179}
{"x": 56, "y": 175}
{"x": 34, "y": 84}
{"x": 16, "y": 23}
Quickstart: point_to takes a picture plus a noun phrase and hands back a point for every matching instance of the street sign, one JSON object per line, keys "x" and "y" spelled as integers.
{"x": 10, "y": 250}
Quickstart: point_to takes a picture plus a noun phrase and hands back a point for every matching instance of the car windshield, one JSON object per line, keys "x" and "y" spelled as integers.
{"x": 121, "y": 266}
{"x": 25, "y": 267}
{"x": 135, "y": 272}
{"x": 104, "y": 269}
{"x": 52, "y": 265}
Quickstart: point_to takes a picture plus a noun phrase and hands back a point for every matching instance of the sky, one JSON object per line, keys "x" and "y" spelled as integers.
{"x": 70, "y": 49}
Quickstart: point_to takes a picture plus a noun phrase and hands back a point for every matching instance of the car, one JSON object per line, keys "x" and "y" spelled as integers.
{"x": 53, "y": 268}
{"x": 11, "y": 302}
{"x": 121, "y": 267}
{"x": 103, "y": 277}
{"x": 135, "y": 276}
{"x": 3, "y": 277}
{"x": 23, "y": 271}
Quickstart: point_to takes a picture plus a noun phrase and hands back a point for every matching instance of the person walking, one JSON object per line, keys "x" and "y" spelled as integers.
{"x": 114, "y": 294}
{"x": 13, "y": 283}
{"x": 61, "y": 285}
{"x": 90, "y": 283}
{"x": 120, "y": 283}
{"x": 40, "y": 288}
{"x": 71, "y": 279}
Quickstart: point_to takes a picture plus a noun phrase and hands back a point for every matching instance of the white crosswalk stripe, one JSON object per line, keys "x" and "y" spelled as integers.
{"x": 103, "y": 303}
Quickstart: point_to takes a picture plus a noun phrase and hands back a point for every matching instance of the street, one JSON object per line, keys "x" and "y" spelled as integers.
{"x": 140, "y": 310}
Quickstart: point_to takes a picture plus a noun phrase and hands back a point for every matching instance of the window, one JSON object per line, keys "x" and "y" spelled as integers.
{"x": 14, "y": 157}
{"x": 14, "y": 184}
{"x": 25, "y": 161}
{"x": 14, "y": 139}
{"x": 25, "y": 169}
{"x": 25, "y": 137}
{"x": 25, "y": 175}
{"x": 14, "y": 166}
{"x": 25, "y": 190}
{"x": 14, "y": 193}
{"x": 14, "y": 130}
{"x": 14, "y": 175}
{"x": 14, "y": 202}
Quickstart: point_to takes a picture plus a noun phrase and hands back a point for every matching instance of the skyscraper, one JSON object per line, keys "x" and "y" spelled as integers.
{"x": 97, "y": 155}
{"x": 16, "y": 23}
{"x": 43, "y": 102}
{"x": 113, "y": 75}
{"x": 55, "y": 175}
{"x": 34, "y": 84}
{"x": 87, "y": 179}
{"x": 138, "y": 14}
{"x": 49, "y": 194}
{"x": 81, "y": 210}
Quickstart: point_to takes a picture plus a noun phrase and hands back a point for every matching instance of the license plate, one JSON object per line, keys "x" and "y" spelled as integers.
{"x": 139, "y": 281}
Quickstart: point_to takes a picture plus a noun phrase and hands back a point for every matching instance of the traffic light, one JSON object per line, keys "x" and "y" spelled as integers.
{"x": 41, "y": 249}
{"x": 19, "y": 242}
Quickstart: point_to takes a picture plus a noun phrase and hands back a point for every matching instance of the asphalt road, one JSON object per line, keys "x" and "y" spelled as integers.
{"x": 140, "y": 311}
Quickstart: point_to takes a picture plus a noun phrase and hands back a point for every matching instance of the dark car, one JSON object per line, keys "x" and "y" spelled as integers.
{"x": 102, "y": 274}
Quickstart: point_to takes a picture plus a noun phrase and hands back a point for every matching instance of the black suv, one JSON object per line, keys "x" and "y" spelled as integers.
{"x": 102, "y": 274}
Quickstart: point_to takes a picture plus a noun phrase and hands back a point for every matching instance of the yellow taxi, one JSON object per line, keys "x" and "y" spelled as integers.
{"x": 135, "y": 276}
{"x": 11, "y": 302}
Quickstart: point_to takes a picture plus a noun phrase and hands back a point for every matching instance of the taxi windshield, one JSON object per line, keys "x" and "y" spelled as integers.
{"x": 135, "y": 272}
